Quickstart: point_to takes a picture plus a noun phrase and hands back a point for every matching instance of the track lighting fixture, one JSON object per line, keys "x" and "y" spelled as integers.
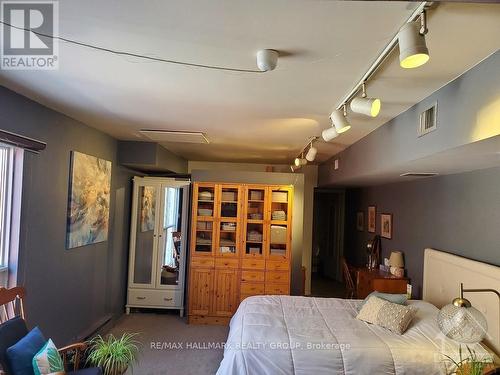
{"x": 339, "y": 120}
{"x": 299, "y": 162}
{"x": 329, "y": 134}
{"x": 293, "y": 168}
{"x": 311, "y": 153}
{"x": 413, "y": 50}
{"x": 366, "y": 106}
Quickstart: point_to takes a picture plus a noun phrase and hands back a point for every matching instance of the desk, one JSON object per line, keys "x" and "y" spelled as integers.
{"x": 368, "y": 281}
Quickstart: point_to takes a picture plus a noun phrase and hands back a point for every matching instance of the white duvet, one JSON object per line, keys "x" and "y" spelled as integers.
{"x": 312, "y": 336}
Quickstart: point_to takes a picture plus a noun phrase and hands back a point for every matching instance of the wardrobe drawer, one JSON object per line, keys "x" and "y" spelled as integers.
{"x": 253, "y": 264}
{"x": 202, "y": 262}
{"x": 226, "y": 263}
{"x": 277, "y": 289}
{"x": 252, "y": 275}
{"x": 278, "y": 277}
{"x": 251, "y": 288}
{"x": 276, "y": 265}
{"x": 142, "y": 297}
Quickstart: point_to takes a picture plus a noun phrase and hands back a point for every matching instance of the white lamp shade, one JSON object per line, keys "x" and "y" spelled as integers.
{"x": 413, "y": 50}
{"x": 396, "y": 259}
{"x": 366, "y": 106}
{"x": 311, "y": 154}
{"x": 462, "y": 324}
{"x": 267, "y": 59}
{"x": 339, "y": 121}
{"x": 329, "y": 134}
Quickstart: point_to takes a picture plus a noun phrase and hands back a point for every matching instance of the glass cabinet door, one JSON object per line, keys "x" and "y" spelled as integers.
{"x": 228, "y": 223}
{"x": 145, "y": 235}
{"x": 172, "y": 236}
{"x": 254, "y": 221}
{"x": 205, "y": 213}
{"x": 279, "y": 228}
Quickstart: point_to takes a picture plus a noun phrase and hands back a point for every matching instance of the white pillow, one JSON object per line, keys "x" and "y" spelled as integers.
{"x": 396, "y": 318}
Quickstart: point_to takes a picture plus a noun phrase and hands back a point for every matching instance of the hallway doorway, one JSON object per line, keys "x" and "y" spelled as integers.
{"x": 328, "y": 243}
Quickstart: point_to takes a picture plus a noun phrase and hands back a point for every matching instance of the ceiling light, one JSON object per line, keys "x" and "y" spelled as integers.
{"x": 293, "y": 168}
{"x": 329, "y": 134}
{"x": 311, "y": 154}
{"x": 366, "y": 106}
{"x": 267, "y": 59}
{"x": 299, "y": 162}
{"x": 340, "y": 121}
{"x": 413, "y": 50}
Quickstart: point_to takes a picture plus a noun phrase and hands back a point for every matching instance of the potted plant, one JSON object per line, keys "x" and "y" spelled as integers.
{"x": 471, "y": 365}
{"x": 113, "y": 355}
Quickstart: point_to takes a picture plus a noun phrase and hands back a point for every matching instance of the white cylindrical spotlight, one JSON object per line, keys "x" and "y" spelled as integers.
{"x": 366, "y": 106}
{"x": 299, "y": 162}
{"x": 267, "y": 59}
{"x": 413, "y": 50}
{"x": 293, "y": 168}
{"x": 329, "y": 134}
{"x": 311, "y": 154}
{"x": 340, "y": 121}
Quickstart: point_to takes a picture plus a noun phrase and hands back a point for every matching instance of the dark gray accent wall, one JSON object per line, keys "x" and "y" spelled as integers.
{"x": 454, "y": 213}
{"x": 69, "y": 292}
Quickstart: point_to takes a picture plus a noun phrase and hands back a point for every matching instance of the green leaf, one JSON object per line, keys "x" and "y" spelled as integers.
{"x": 55, "y": 361}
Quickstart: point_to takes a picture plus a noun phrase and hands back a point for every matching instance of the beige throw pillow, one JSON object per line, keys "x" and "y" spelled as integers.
{"x": 394, "y": 317}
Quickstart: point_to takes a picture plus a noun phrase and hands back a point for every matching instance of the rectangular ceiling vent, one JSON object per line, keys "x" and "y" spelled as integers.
{"x": 419, "y": 174}
{"x": 174, "y": 136}
{"x": 428, "y": 121}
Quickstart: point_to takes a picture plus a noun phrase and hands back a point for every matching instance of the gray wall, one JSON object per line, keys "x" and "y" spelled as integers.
{"x": 455, "y": 213}
{"x": 150, "y": 156}
{"x": 467, "y": 112}
{"x": 70, "y": 292}
{"x": 295, "y": 179}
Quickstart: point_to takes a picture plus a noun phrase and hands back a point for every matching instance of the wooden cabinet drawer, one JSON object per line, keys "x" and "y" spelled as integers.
{"x": 202, "y": 262}
{"x": 278, "y": 277}
{"x": 142, "y": 297}
{"x": 253, "y": 264}
{"x": 252, "y": 275}
{"x": 226, "y": 263}
{"x": 277, "y": 289}
{"x": 276, "y": 266}
{"x": 251, "y": 288}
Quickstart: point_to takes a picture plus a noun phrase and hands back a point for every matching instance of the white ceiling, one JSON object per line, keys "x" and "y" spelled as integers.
{"x": 264, "y": 118}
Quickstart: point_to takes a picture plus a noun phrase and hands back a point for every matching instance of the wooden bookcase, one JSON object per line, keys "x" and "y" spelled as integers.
{"x": 240, "y": 246}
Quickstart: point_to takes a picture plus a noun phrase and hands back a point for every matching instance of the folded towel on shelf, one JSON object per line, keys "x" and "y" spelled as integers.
{"x": 279, "y": 215}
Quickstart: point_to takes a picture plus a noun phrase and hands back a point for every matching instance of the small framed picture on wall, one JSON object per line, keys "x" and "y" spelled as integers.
{"x": 372, "y": 218}
{"x": 360, "y": 221}
{"x": 386, "y": 225}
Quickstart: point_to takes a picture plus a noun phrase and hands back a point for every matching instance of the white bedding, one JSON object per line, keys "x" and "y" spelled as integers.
{"x": 312, "y": 336}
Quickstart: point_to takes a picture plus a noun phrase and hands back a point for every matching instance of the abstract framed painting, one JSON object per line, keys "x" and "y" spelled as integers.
{"x": 360, "y": 221}
{"x": 89, "y": 199}
{"x": 386, "y": 225}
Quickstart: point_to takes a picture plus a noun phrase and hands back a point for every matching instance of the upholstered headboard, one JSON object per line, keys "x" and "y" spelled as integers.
{"x": 443, "y": 273}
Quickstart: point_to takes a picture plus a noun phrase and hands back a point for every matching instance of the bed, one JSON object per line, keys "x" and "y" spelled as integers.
{"x": 306, "y": 335}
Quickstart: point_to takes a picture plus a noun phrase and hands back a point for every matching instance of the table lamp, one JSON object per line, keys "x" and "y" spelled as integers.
{"x": 397, "y": 263}
{"x": 462, "y": 322}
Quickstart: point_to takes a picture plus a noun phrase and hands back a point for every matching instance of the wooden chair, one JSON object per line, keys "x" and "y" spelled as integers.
{"x": 12, "y": 306}
{"x": 349, "y": 282}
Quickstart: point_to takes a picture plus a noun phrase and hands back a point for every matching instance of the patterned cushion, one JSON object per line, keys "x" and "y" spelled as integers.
{"x": 391, "y": 316}
{"x": 47, "y": 360}
{"x": 400, "y": 299}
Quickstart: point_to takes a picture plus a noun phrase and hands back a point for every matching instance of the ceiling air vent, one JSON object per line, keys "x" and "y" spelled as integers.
{"x": 175, "y": 136}
{"x": 427, "y": 121}
{"x": 418, "y": 174}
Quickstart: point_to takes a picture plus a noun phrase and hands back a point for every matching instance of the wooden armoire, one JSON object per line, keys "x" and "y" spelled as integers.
{"x": 240, "y": 246}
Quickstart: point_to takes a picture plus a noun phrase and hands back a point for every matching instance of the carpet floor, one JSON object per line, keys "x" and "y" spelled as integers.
{"x": 169, "y": 346}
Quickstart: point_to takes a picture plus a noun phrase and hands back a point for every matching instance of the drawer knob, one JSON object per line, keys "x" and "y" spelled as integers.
{"x": 167, "y": 299}
{"x": 141, "y": 298}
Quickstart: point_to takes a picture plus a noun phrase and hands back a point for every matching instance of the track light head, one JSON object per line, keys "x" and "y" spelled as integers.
{"x": 293, "y": 168}
{"x": 311, "y": 154}
{"x": 366, "y": 106}
{"x": 267, "y": 59}
{"x": 299, "y": 162}
{"x": 413, "y": 50}
{"x": 329, "y": 134}
{"x": 340, "y": 121}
